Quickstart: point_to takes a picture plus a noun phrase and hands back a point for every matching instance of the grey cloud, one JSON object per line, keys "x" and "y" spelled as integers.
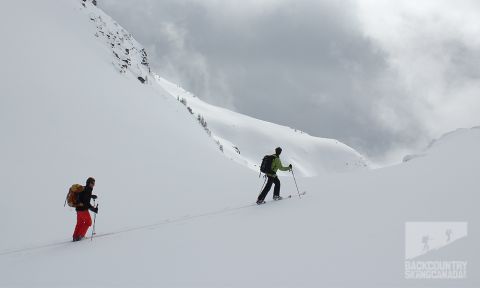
{"x": 305, "y": 64}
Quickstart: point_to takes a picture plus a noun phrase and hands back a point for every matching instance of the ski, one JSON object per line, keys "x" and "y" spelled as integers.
{"x": 298, "y": 194}
{"x": 284, "y": 198}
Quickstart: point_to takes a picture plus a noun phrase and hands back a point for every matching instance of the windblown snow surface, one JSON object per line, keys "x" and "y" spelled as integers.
{"x": 174, "y": 211}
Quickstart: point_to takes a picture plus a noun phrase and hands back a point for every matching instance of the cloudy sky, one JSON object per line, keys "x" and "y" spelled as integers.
{"x": 384, "y": 77}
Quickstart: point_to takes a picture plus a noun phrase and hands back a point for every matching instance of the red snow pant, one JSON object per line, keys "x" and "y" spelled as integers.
{"x": 83, "y": 222}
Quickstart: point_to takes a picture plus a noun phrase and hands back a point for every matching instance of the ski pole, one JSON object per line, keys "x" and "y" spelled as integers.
{"x": 94, "y": 220}
{"x": 66, "y": 198}
{"x": 261, "y": 189}
{"x": 298, "y": 191}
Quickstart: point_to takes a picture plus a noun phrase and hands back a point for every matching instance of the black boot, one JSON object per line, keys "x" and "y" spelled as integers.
{"x": 260, "y": 202}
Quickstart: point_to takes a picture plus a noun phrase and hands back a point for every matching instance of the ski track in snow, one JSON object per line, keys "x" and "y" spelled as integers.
{"x": 183, "y": 218}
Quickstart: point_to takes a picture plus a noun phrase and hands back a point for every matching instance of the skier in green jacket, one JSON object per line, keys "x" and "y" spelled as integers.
{"x": 273, "y": 179}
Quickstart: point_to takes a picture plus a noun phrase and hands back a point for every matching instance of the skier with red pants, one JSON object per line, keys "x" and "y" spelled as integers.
{"x": 83, "y": 216}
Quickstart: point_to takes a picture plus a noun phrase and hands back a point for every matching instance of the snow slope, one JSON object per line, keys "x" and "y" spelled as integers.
{"x": 246, "y": 140}
{"x": 174, "y": 211}
{"x": 445, "y": 139}
{"x": 66, "y": 113}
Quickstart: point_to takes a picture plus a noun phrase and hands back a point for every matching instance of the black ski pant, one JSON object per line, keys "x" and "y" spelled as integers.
{"x": 276, "y": 189}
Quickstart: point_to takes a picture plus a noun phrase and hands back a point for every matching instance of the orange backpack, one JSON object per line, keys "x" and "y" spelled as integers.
{"x": 72, "y": 196}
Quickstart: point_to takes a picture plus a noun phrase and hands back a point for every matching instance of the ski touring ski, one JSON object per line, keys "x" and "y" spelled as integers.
{"x": 283, "y": 198}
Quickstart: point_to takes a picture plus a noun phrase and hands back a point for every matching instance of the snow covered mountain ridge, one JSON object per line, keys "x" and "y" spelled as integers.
{"x": 242, "y": 139}
{"x": 127, "y": 54}
{"x": 445, "y": 139}
{"x": 246, "y": 140}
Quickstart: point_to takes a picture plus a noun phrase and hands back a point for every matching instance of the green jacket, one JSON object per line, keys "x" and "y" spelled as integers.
{"x": 276, "y": 165}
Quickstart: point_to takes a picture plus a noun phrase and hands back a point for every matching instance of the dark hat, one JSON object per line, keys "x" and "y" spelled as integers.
{"x": 278, "y": 150}
{"x": 90, "y": 180}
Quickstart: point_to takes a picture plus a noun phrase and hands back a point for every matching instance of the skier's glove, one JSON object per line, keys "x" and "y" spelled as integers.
{"x": 290, "y": 166}
{"x": 95, "y": 210}
{"x": 94, "y": 197}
